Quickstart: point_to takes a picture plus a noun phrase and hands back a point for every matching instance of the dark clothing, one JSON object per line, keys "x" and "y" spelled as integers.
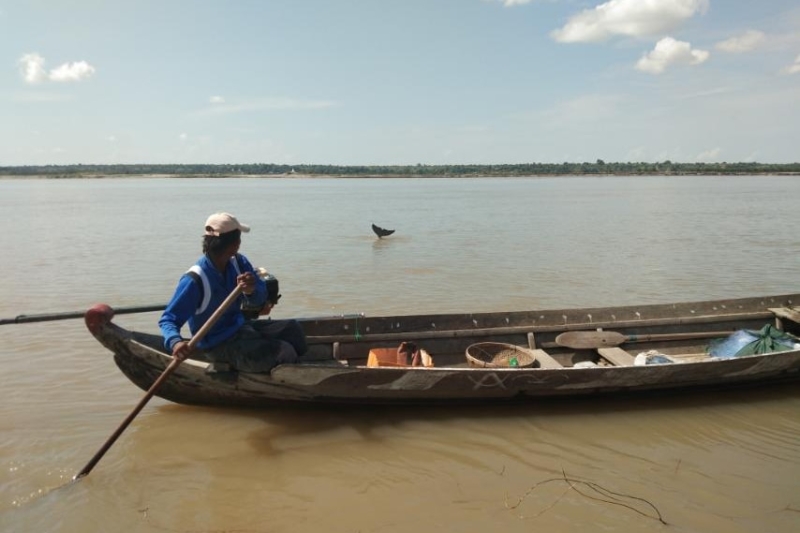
{"x": 260, "y": 345}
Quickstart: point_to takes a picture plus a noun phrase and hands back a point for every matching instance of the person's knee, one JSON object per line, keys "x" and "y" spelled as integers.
{"x": 287, "y": 355}
{"x": 296, "y": 337}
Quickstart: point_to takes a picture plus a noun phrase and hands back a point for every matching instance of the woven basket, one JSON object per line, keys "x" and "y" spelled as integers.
{"x": 498, "y": 355}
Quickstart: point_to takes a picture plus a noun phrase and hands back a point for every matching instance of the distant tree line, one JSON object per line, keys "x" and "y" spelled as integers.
{"x": 599, "y": 167}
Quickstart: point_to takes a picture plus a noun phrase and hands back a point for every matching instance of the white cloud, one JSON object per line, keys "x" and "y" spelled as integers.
{"x": 632, "y": 18}
{"x": 31, "y": 67}
{"x": 709, "y": 155}
{"x": 267, "y": 104}
{"x": 216, "y": 100}
{"x": 741, "y": 43}
{"x": 714, "y": 91}
{"x": 510, "y": 3}
{"x": 76, "y": 71}
{"x": 585, "y": 109}
{"x": 667, "y": 52}
{"x": 183, "y": 136}
{"x": 636, "y": 154}
{"x": 33, "y": 71}
{"x": 794, "y": 68}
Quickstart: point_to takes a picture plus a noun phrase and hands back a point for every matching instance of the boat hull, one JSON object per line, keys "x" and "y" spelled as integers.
{"x": 327, "y": 379}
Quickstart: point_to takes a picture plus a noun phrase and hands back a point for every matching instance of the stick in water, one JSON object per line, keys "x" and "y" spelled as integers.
{"x": 155, "y": 386}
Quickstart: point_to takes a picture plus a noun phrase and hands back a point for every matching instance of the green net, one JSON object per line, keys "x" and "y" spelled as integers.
{"x": 769, "y": 340}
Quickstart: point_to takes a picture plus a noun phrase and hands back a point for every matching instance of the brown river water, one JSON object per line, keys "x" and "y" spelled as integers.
{"x": 703, "y": 462}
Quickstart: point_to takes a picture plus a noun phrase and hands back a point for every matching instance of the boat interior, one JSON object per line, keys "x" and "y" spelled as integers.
{"x": 686, "y": 341}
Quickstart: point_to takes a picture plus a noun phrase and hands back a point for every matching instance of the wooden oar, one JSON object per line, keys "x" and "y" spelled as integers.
{"x": 587, "y": 340}
{"x": 44, "y": 317}
{"x": 155, "y": 386}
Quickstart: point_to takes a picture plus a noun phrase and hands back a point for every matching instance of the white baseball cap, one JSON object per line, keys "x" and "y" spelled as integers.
{"x": 220, "y": 223}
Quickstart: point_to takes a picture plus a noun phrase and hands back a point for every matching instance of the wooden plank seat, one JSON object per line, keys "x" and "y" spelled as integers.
{"x": 690, "y": 357}
{"x": 616, "y": 356}
{"x": 785, "y": 313}
{"x": 546, "y": 360}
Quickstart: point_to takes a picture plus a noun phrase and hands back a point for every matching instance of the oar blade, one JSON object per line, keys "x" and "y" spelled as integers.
{"x": 588, "y": 340}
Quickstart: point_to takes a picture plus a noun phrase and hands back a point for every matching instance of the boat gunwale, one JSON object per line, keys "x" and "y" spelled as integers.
{"x": 665, "y": 314}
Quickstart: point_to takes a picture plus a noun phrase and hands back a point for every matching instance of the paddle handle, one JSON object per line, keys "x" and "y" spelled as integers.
{"x": 155, "y": 386}
{"x": 677, "y": 336}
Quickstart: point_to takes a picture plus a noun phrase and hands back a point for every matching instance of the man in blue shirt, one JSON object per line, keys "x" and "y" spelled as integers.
{"x": 247, "y": 346}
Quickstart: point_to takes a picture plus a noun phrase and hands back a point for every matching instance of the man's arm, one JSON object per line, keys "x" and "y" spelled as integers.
{"x": 183, "y": 305}
{"x": 258, "y": 297}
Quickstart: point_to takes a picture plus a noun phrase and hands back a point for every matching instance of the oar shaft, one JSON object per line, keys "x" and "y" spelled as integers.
{"x": 125, "y": 423}
{"x": 215, "y": 316}
{"x": 677, "y": 336}
{"x": 45, "y": 317}
{"x": 331, "y": 317}
{"x": 163, "y": 377}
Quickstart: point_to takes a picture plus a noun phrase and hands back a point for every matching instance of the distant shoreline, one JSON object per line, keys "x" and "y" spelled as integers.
{"x": 90, "y": 176}
{"x": 599, "y": 168}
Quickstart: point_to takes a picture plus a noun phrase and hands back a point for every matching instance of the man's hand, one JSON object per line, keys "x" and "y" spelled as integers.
{"x": 181, "y": 351}
{"x": 247, "y": 281}
{"x": 266, "y": 309}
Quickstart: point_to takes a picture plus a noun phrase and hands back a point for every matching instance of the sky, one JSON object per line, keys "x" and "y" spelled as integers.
{"x": 398, "y": 82}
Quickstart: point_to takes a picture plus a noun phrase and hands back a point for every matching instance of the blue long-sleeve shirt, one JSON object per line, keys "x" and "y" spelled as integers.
{"x": 190, "y": 294}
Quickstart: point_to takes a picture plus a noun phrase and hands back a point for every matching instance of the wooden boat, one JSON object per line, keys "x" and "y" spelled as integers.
{"x": 335, "y": 370}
